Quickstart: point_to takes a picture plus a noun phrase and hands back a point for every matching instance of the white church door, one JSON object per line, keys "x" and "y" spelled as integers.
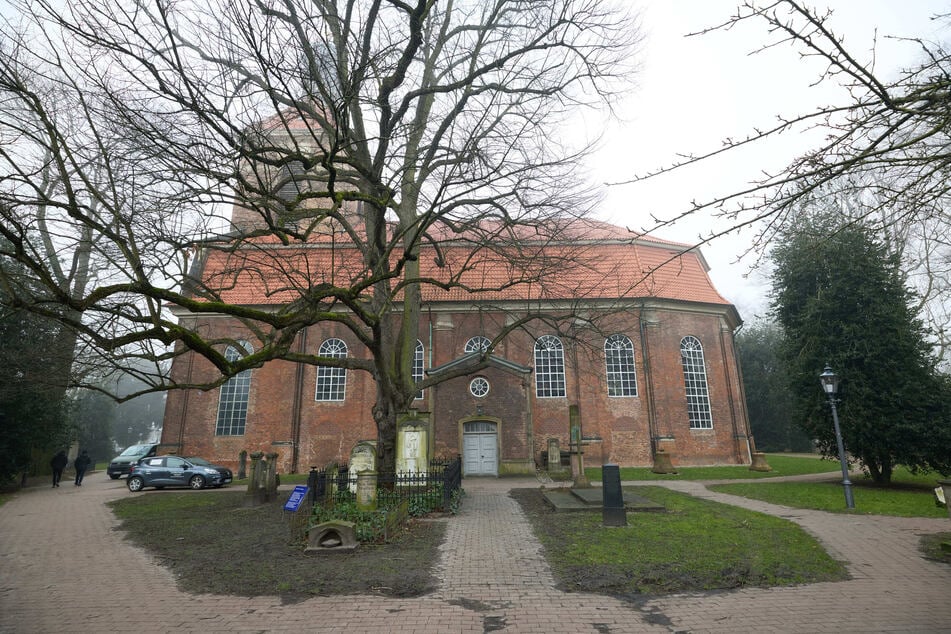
{"x": 480, "y": 454}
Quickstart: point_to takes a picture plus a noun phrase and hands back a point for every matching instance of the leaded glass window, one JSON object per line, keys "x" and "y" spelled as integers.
{"x": 477, "y": 344}
{"x": 233, "y": 396}
{"x": 695, "y": 383}
{"x": 619, "y": 366}
{"x": 549, "y": 367}
{"x": 331, "y": 380}
{"x": 418, "y": 363}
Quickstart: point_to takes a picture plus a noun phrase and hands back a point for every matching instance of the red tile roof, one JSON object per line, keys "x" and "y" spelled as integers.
{"x": 582, "y": 260}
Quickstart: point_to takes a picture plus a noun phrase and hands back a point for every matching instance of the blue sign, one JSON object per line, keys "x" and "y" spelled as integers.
{"x": 297, "y": 496}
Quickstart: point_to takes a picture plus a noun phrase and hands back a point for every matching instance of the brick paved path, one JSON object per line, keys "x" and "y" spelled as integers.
{"x": 63, "y": 568}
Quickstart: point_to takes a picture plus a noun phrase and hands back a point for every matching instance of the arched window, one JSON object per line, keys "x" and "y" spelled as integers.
{"x": 695, "y": 382}
{"x": 233, "y": 396}
{"x": 331, "y": 381}
{"x": 418, "y": 361}
{"x": 619, "y": 366}
{"x": 549, "y": 367}
{"x": 477, "y": 344}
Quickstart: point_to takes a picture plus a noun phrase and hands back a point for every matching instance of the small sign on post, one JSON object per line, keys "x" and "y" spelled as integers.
{"x": 297, "y": 496}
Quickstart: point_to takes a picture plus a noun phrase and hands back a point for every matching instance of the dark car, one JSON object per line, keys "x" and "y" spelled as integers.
{"x": 176, "y": 471}
{"x": 120, "y": 465}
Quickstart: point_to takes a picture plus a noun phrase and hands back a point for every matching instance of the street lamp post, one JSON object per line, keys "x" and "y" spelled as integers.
{"x": 830, "y": 384}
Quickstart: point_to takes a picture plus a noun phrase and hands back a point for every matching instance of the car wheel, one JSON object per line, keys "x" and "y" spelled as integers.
{"x": 136, "y": 483}
{"x": 197, "y": 482}
{"x": 114, "y": 476}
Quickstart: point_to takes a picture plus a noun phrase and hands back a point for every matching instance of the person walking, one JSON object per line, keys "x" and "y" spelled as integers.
{"x": 58, "y": 463}
{"x": 81, "y": 464}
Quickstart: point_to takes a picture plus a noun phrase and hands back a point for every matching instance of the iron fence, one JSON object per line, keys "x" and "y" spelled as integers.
{"x": 424, "y": 491}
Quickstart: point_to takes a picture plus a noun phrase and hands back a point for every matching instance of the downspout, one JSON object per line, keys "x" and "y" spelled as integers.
{"x": 296, "y": 408}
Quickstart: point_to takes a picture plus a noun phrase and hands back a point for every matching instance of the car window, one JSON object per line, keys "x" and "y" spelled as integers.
{"x": 135, "y": 450}
{"x": 153, "y": 462}
{"x": 175, "y": 463}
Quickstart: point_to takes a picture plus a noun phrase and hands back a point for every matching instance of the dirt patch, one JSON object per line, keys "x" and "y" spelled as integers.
{"x": 224, "y": 548}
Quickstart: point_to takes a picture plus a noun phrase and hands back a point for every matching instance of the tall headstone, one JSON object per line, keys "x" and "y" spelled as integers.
{"x": 613, "y": 513}
{"x": 366, "y": 490}
{"x": 554, "y": 455}
{"x": 362, "y": 458}
{"x": 412, "y": 446}
{"x": 577, "y": 447}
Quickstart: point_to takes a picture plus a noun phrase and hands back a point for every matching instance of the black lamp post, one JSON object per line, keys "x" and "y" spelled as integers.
{"x": 830, "y": 384}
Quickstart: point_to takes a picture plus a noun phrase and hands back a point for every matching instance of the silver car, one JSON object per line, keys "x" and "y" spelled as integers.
{"x": 176, "y": 471}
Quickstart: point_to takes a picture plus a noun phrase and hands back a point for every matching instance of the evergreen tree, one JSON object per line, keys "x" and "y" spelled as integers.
{"x": 766, "y": 385}
{"x": 840, "y": 298}
{"x": 31, "y": 423}
{"x": 32, "y": 420}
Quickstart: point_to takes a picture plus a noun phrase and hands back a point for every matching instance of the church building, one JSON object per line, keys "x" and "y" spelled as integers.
{"x": 647, "y": 364}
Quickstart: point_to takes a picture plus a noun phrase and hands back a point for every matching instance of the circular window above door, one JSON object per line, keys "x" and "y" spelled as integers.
{"x": 479, "y": 386}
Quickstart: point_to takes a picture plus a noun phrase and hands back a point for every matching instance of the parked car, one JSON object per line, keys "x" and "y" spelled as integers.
{"x": 176, "y": 471}
{"x": 120, "y": 465}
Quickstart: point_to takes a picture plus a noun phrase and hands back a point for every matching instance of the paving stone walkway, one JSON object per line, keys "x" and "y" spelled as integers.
{"x": 63, "y": 566}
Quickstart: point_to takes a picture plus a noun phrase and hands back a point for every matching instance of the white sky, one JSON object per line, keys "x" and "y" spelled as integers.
{"x": 694, "y": 92}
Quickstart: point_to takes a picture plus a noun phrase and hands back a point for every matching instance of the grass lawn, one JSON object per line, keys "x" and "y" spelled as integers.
{"x": 782, "y": 465}
{"x": 696, "y": 545}
{"x": 909, "y": 496}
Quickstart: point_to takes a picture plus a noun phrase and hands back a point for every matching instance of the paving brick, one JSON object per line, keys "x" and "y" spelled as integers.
{"x": 62, "y": 565}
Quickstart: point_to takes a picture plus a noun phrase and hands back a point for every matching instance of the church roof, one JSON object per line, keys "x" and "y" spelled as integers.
{"x": 583, "y": 260}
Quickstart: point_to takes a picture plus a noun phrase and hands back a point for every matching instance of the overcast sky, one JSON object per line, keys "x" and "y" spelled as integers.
{"x": 694, "y": 92}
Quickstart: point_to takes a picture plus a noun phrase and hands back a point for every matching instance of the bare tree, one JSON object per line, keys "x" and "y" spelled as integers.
{"x": 242, "y": 135}
{"x": 886, "y": 150}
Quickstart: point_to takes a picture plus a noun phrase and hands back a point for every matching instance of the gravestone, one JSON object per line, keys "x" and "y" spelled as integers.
{"x": 412, "y": 448}
{"x": 554, "y": 455}
{"x": 362, "y": 458}
{"x": 366, "y": 490}
{"x": 612, "y": 513}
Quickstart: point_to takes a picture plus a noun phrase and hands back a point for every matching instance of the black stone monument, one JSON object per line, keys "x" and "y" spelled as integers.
{"x": 613, "y": 513}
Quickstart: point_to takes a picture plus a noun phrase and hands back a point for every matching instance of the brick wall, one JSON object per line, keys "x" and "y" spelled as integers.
{"x": 282, "y": 396}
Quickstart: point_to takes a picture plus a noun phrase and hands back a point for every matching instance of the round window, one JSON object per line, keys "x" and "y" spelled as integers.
{"x": 479, "y": 386}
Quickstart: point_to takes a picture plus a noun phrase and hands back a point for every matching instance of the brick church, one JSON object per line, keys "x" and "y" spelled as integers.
{"x": 651, "y": 367}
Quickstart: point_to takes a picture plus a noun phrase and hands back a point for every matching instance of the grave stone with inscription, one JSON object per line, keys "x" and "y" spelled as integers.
{"x": 613, "y": 513}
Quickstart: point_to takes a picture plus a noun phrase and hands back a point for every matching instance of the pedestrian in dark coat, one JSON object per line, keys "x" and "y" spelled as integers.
{"x": 58, "y": 463}
{"x": 81, "y": 464}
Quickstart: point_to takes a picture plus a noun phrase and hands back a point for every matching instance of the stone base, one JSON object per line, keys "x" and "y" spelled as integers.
{"x": 946, "y": 488}
{"x": 335, "y": 536}
{"x": 759, "y": 462}
{"x": 663, "y": 463}
{"x": 516, "y": 467}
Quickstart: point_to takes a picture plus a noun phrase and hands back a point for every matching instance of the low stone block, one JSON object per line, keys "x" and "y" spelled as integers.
{"x": 335, "y": 536}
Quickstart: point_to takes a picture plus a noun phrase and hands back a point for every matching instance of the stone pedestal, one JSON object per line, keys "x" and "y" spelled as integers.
{"x": 946, "y": 487}
{"x": 759, "y": 462}
{"x": 663, "y": 462}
